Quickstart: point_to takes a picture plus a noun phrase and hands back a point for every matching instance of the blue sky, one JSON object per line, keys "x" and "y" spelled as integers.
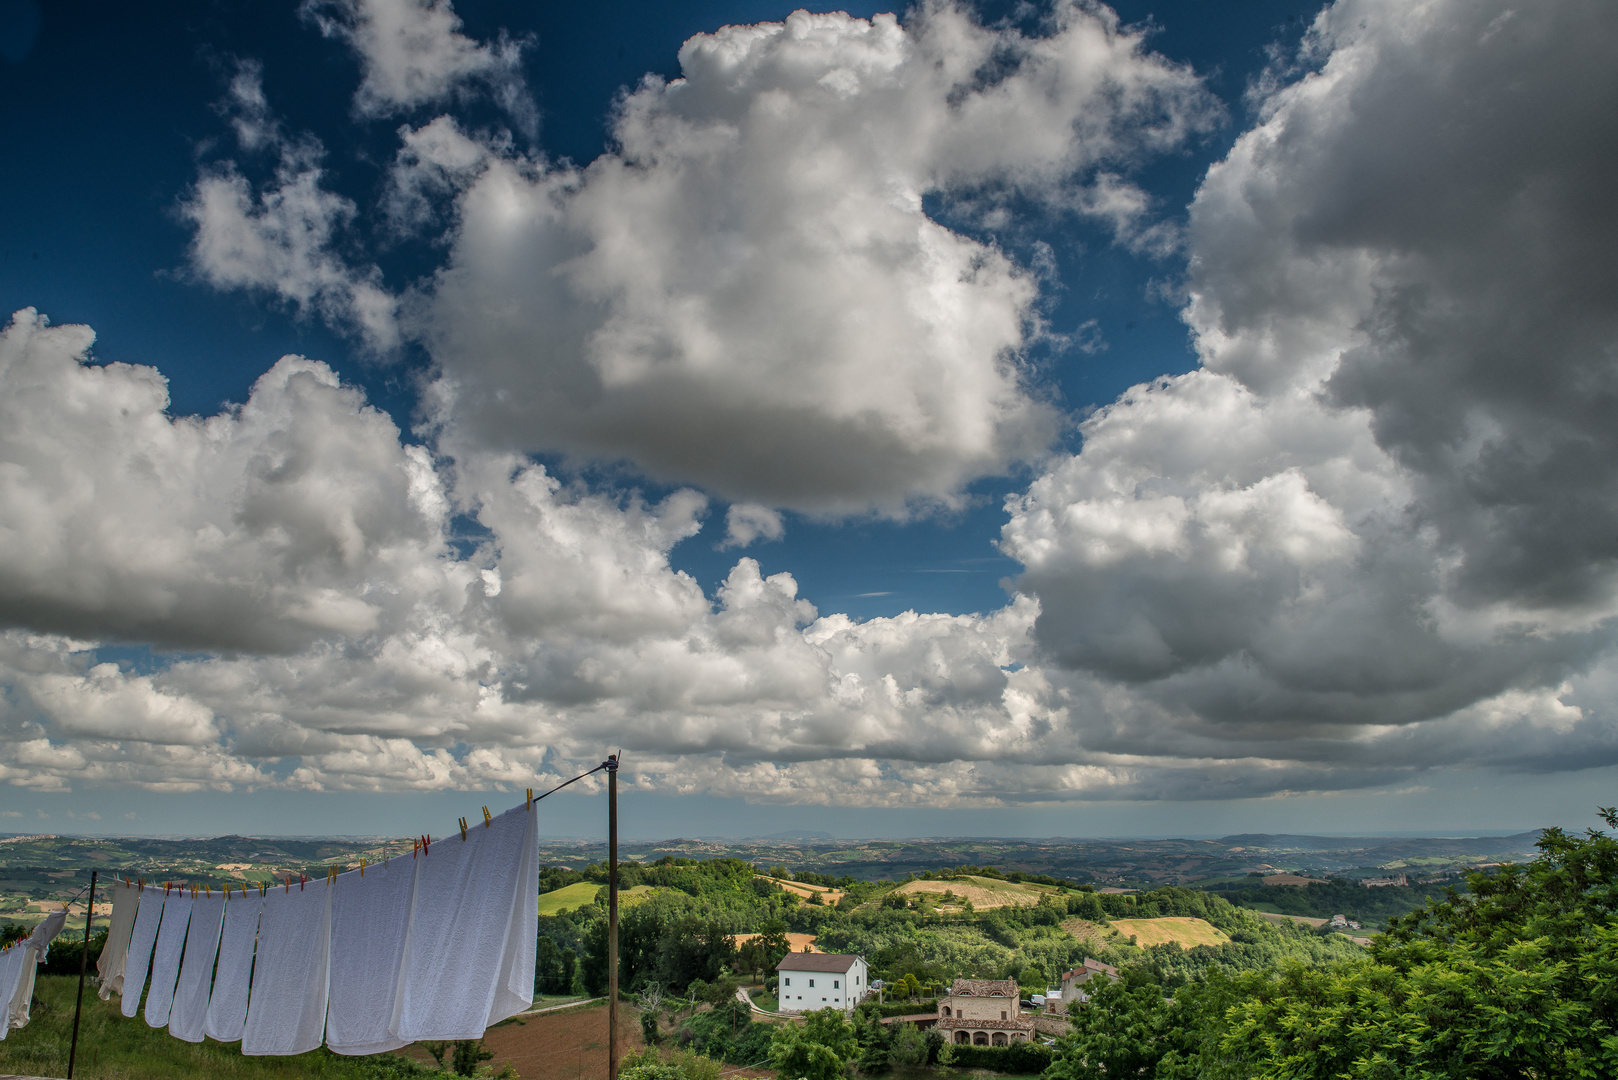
{"x": 990, "y": 417}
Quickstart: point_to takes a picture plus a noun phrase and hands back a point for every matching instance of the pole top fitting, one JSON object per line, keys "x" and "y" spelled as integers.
{"x": 611, "y": 764}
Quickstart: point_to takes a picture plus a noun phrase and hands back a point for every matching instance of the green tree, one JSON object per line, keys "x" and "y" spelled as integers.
{"x": 1520, "y": 979}
{"x": 875, "y": 1044}
{"x": 794, "y": 1055}
{"x": 908, "y": 1046}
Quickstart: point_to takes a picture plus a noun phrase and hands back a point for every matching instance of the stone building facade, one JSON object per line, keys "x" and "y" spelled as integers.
{"x": 984, "y": 1012}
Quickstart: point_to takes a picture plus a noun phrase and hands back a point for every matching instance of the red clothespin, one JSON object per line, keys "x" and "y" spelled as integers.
{"x": 301, "y": 882}
{"x": 426, "y": 842}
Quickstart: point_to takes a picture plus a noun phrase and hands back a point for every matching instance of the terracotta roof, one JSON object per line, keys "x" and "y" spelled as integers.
{"x": 1089, "y": 968}
{"x": 1006, "y": 988}
{"x": 818, "y": 961}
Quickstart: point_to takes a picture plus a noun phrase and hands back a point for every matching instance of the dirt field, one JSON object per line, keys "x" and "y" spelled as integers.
{"x": 798, "y": 888}
{"x": 570, "y": 1044}
{"x": 1187, "y": 932}
{"x": 1287, "y": 879}
{"x": 983, "y": 892}
{"x": 799, "y": 942}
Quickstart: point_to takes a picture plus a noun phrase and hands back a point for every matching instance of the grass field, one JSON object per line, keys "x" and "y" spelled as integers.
{"x": 581, "y": 893}
{"x": 568, "y": 897}
{"x": 112, "y": 1047}
{"x": 983, "y": 892}
{"x": 1086, "y": 931}
{"x": 1187, "y": 933}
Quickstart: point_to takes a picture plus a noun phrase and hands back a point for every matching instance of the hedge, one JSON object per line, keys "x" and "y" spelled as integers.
{"x": 1026, "y": 1058}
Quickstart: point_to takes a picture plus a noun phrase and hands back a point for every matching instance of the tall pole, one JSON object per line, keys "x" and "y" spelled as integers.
{"x": 84, "y": 962}
{"x": 612, "y": 916}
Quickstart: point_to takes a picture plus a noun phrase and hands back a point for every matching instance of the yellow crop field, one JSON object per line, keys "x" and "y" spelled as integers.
{"x": 1188, "y": 933}
{"x": 983, "y": 892}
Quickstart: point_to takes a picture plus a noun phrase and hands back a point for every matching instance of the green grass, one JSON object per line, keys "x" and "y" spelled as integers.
{"x": 583, "y": 893}
{"x": 767, "y": 1002}
{"x": 112, "y": 1047}
{"x": 568, "y": 897}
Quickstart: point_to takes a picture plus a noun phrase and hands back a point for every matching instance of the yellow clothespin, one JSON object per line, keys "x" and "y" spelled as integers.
{"x": 486, "y": 818}
{"x": 362, "y": 866}
{"x": 530, "y": 804}
{"x": 463, "y": 828}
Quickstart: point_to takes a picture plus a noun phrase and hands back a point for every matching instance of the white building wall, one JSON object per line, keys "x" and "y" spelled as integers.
{"x": 806, "y": 991}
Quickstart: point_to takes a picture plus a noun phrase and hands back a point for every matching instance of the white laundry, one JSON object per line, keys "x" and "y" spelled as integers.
{"x": 147, "y": 919}
{"x": 110, "y": 967}
{"x": 227, "y": 1003}
{"x": 514, "y": 990}
{"x": 286, "y": 1013}
{"x": 190, "y": 1009}
{"x": 455, "y": 965}
{"x": 370, "y": 914}
{"x": 35, "y": 948}
{"x": 12, "y": 961}
{"x": 166, "y": 957}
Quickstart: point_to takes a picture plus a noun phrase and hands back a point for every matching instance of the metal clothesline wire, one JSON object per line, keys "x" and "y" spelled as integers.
{"x": 535, "y": 799}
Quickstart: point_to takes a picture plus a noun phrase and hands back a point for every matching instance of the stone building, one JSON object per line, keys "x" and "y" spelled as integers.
{"x": 984, "y": 1012}
{"x": 1075, "y": 978}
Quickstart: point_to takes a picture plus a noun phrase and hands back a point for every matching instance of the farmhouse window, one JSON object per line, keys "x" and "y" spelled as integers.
{"x": 811, "y": 984}
{"x": 836, "y": 985}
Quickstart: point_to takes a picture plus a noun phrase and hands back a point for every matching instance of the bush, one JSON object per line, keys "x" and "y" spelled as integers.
{"x": 1027, "y": 1057}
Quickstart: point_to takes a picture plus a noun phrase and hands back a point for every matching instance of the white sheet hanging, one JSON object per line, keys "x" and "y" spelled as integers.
{"x": 166, "y": 957}
{"x": 370, "y": 914}
{"x": 12, "y": 963}
{"x": 148, "y": 917}
{"x": 190, "y": 1010}
{"x": 110, "y": 967}
{"x": 286, "y": 1013}
{"x": 227, "y": 1003}
{"x": 35, "y": 948}
{"x": 463, "y": 908}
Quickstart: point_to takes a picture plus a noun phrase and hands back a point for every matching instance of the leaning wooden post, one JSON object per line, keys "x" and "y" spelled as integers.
{"x": 84, "y": 962}
{"x": 612, "y": 916}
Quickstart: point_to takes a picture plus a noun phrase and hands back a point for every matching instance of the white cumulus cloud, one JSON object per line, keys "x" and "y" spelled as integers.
{"x": 747, "y": 293}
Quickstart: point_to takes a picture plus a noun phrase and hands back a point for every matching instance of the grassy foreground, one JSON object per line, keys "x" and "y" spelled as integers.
{"x": 112, "y": 1047}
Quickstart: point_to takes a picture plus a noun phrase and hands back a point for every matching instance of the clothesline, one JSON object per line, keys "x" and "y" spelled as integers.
{"x": 437, "y": 946}
{"x": 420, "y": 843}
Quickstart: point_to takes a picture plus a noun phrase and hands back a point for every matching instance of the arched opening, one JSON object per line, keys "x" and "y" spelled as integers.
{"x": 1017, "y": 1037}
{"x": 946, "y": 1011}
{"x": 962, "y": 1037}
{"x": 981, "y": 1038}
{"x": 999, "y": 1038}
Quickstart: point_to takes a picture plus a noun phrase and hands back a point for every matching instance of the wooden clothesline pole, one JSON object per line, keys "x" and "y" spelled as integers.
{"x": 611, "y": 765}
{"x": 84, "y": 962}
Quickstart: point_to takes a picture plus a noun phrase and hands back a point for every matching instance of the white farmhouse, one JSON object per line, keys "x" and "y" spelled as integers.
{"x": 810, "y": 981}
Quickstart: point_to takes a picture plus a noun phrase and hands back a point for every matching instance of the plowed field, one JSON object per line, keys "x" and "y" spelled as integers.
{"x": 569, "y": 1044}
